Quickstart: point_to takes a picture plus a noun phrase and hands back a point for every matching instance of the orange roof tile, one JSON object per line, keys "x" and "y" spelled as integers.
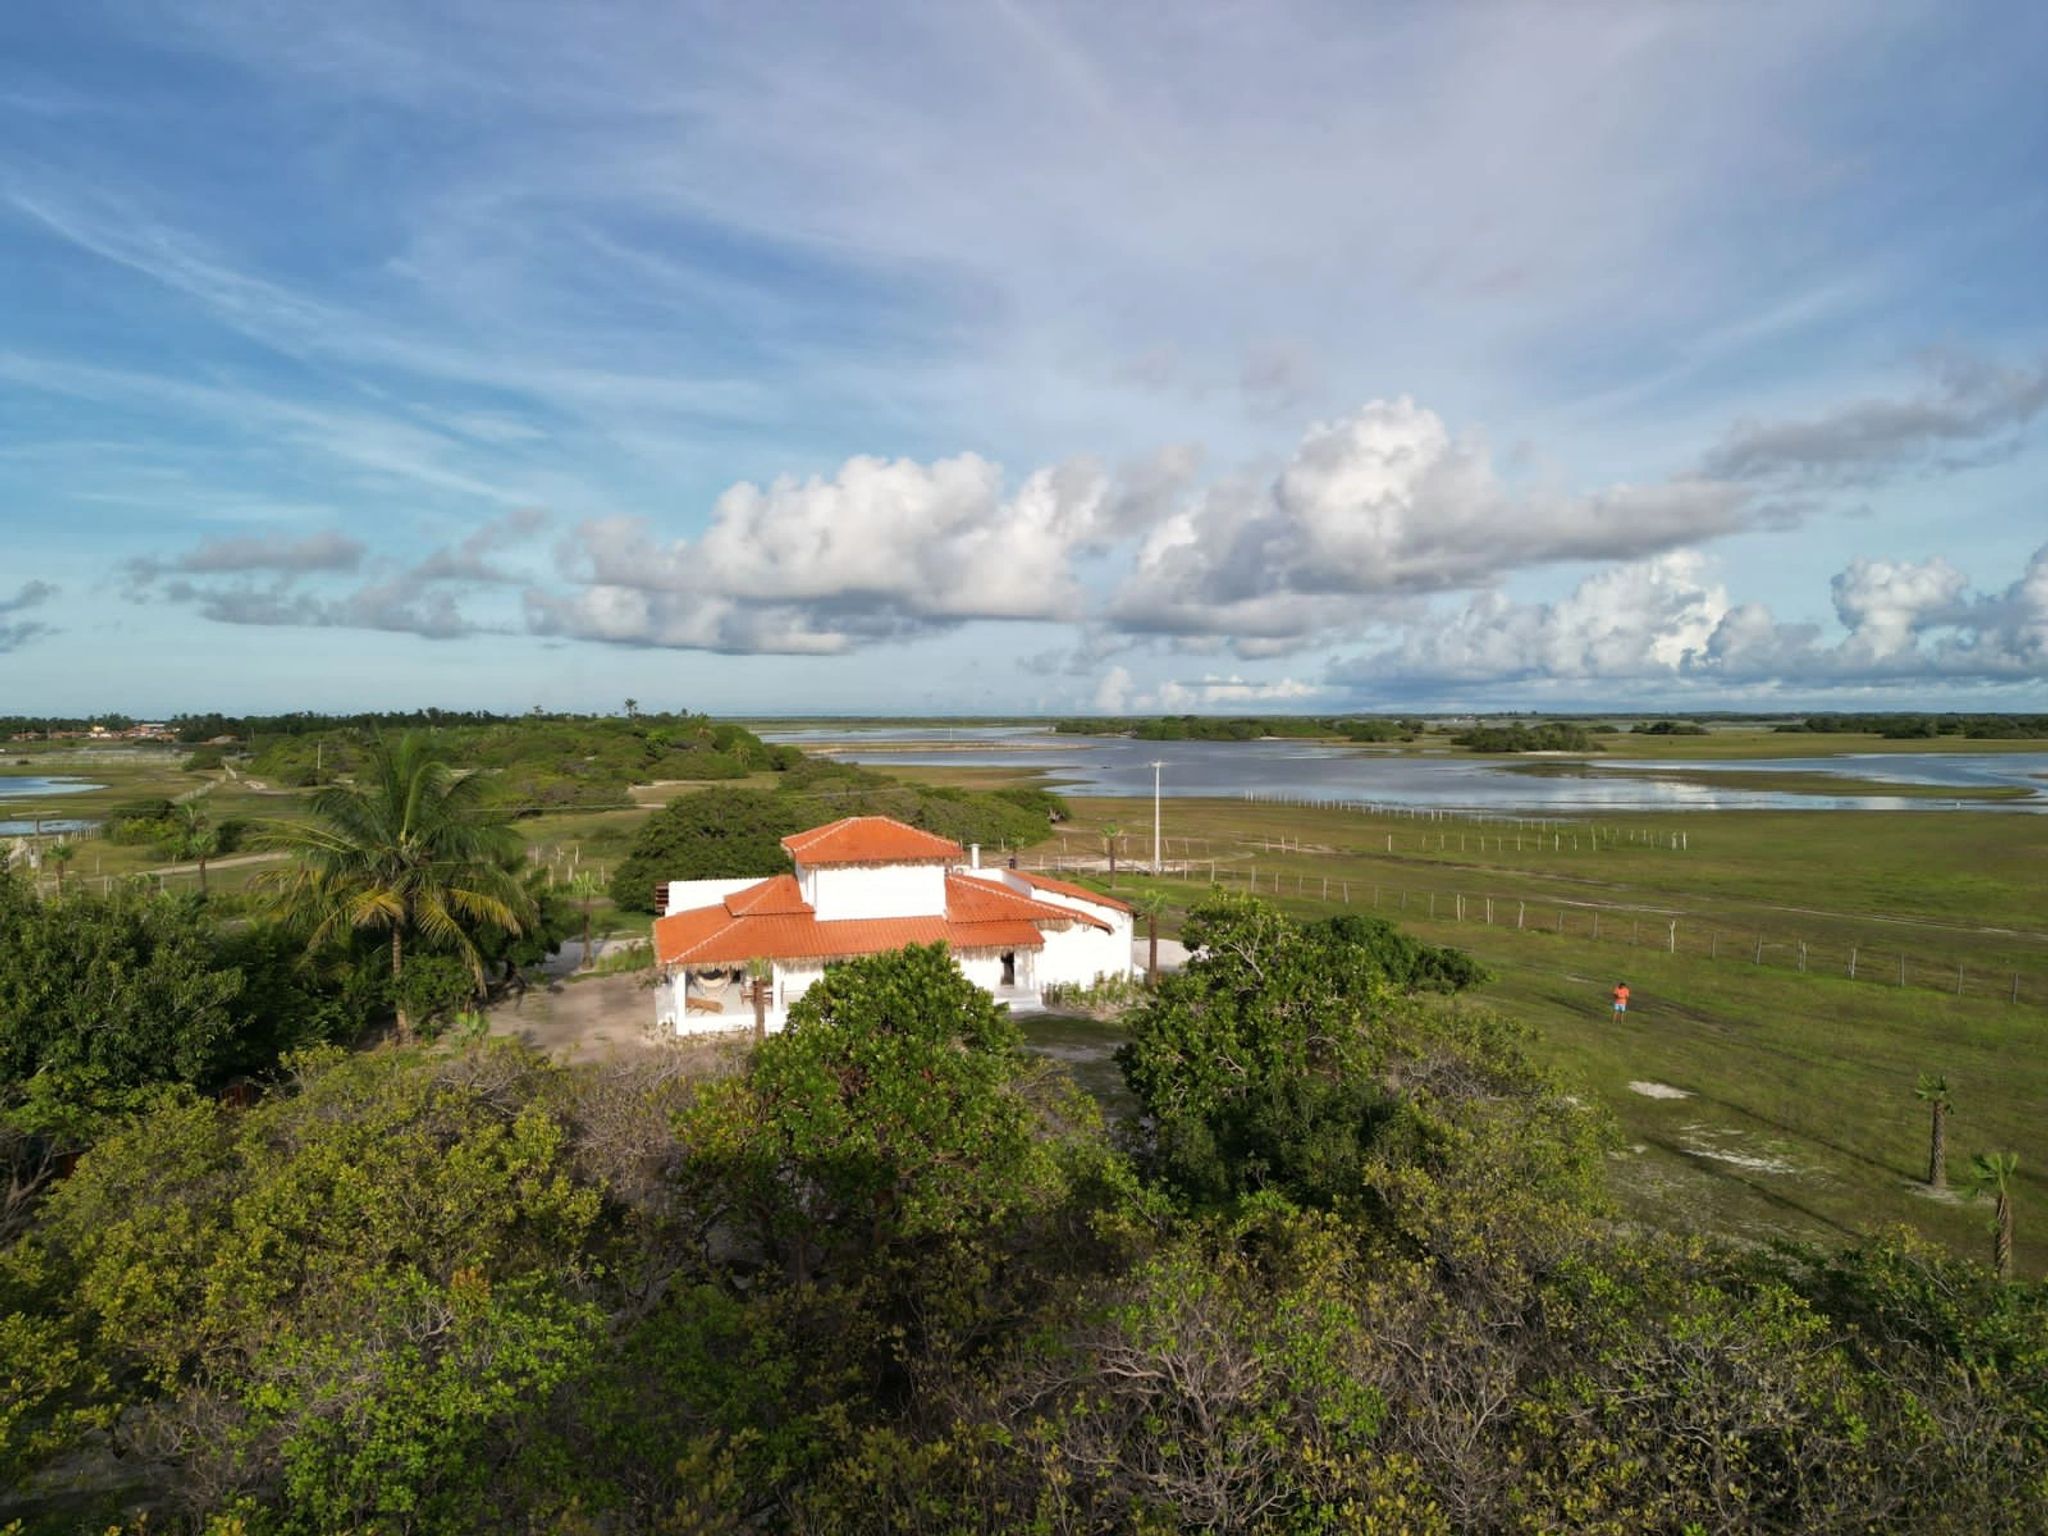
{"x": 1068, "y": 888}
{"x": 778, "y": 895}
{"x": 869, "y": 840}
{"x": 770, "y": 921}
{"x": 969, "y": 900}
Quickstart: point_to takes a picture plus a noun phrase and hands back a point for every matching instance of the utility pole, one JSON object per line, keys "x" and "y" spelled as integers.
{"x": 1156, "y": 766}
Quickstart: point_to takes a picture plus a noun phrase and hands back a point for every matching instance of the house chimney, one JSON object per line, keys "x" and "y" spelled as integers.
{"x": 974, "y": 855}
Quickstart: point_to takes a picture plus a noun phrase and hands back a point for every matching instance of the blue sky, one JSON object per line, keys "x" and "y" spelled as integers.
{"x": 1012, "y": 357}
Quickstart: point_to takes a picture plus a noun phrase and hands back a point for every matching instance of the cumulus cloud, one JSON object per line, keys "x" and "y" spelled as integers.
{"x": 1668, "y": 622}
{"x": 1967, "y": 407}
{"x": 1384, "y": 503}
{"x": 15, "y": 633}
{"x": 881, "y": 549}
{"x": 1626, "y": 621}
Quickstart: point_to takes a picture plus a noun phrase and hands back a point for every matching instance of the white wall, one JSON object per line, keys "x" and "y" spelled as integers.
{"x": 840, "y": 892}
{"x": 986, "y": 971}
{"x": 685, "y": 895}
{"x": 1077, "y": 956}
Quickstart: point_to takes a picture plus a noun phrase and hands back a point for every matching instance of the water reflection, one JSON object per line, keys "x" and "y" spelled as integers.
{"x": 1114, "y": 765}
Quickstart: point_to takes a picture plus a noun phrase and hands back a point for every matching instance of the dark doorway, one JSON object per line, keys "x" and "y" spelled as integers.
{"x": 1010, "y": 970}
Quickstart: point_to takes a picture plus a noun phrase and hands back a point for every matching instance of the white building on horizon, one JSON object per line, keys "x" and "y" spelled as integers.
{"x": 865, "y": 885}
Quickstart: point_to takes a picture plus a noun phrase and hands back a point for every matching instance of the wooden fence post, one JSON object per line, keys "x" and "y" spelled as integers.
{"x": 1672, "y": 947}
{"x": 1959, "y": 979}
{"x": 1852, "y": 962}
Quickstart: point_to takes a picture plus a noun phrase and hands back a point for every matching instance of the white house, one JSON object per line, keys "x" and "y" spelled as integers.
{"x": 864, "y": 885}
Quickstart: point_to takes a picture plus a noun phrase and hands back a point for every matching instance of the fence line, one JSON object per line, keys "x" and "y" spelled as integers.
{"x": 1624, "y": 927}
{"x": 1563, "y": 830}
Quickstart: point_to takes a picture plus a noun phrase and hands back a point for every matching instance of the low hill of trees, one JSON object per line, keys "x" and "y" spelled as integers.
{"x": 1352, "y": 1268}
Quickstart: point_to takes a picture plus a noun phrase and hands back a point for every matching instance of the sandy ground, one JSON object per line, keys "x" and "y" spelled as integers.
{"x": 603, "y": 1018}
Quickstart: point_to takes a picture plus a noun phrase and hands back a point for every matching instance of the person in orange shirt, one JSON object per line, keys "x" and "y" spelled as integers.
{"x": 1620, "y": 998}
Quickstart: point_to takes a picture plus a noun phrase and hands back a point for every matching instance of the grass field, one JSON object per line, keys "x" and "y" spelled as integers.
{"x": 1798, "y": 1117}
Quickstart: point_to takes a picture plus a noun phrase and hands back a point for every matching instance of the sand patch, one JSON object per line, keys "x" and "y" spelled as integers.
{"x": 1928, "y": 1192}
{"x": 1658, "y": 1091}
{"x": 1721, "y": 1146}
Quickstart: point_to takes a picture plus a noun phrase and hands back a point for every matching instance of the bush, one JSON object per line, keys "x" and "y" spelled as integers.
{"x": 1551, "y": 736}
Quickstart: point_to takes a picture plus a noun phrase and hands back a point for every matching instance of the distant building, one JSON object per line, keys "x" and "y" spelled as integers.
{"x": 863, "y": 886}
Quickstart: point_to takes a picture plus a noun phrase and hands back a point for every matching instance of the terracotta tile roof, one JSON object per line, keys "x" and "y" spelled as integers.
{"x": 869, "y": 840}
{"x": 1068, "y": 888}
{"x": 969, "y": 900}
{"x": 770, "y": 921}
{"x": 777, "y": 896}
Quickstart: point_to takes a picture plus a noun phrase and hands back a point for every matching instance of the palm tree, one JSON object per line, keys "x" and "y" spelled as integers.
{"x": 632, "y": 708}
{"x": 586, "y": 888}
{"x": 59, "y": 854}
{"x": 196, "y": 836}
{"x": 760, "y": 973}
{"x": 1152, "y": 903}
{"x": 1993, "y": 1171}
{"x": 1112, "y": 836}
{"x": 1933, "y": 1092}
{"x": 407, "y": 850}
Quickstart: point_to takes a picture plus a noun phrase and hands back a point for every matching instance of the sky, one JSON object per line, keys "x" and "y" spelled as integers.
{"x": 1016, "y": 358}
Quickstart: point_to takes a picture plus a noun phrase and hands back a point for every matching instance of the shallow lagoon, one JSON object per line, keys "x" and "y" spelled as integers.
{"x": 39, "y": 789}
{"x": 1114, "y": 765}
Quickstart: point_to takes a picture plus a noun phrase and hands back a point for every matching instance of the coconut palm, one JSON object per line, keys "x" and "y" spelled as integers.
{"x": 1992, "y": 1172}
{"x": 195, "y": 836}
{"x": 1112, "y": 839}
{"x": 407, "y": 850}
{"x": 760, "y": 972}
{"x": 58, "y": 855}
{"x": 1152, "y": 903}
{"x": 1933, "y": 1092}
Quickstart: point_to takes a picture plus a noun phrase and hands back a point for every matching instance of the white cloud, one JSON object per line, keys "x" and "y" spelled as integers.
{"x": 1210, "y": 692}
{"x": 1626, "y": 621}
{"x": 1668, "y": 624}
{"x": 881, "y": 549}
{"x": 1384, "y": 503}
{"x": 1113, "y": 694}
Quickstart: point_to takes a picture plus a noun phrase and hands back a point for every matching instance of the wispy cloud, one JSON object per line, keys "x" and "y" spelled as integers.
{"x": 1969, "y": 406}
{"x": 14, "y": 632}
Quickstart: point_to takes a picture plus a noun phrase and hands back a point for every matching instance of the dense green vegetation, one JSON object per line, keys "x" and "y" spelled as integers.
{"x": 1669, "y": 728}
{"x": 722, "y": 831}
{"x": 545, "y": 762}
{"x": 1912, "y": 727}
{"x": 889, "y": 1273}
{"x": 1550, "y": 736}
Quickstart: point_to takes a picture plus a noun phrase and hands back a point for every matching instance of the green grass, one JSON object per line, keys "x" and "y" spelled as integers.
{"x": 1806, "y": 1075}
